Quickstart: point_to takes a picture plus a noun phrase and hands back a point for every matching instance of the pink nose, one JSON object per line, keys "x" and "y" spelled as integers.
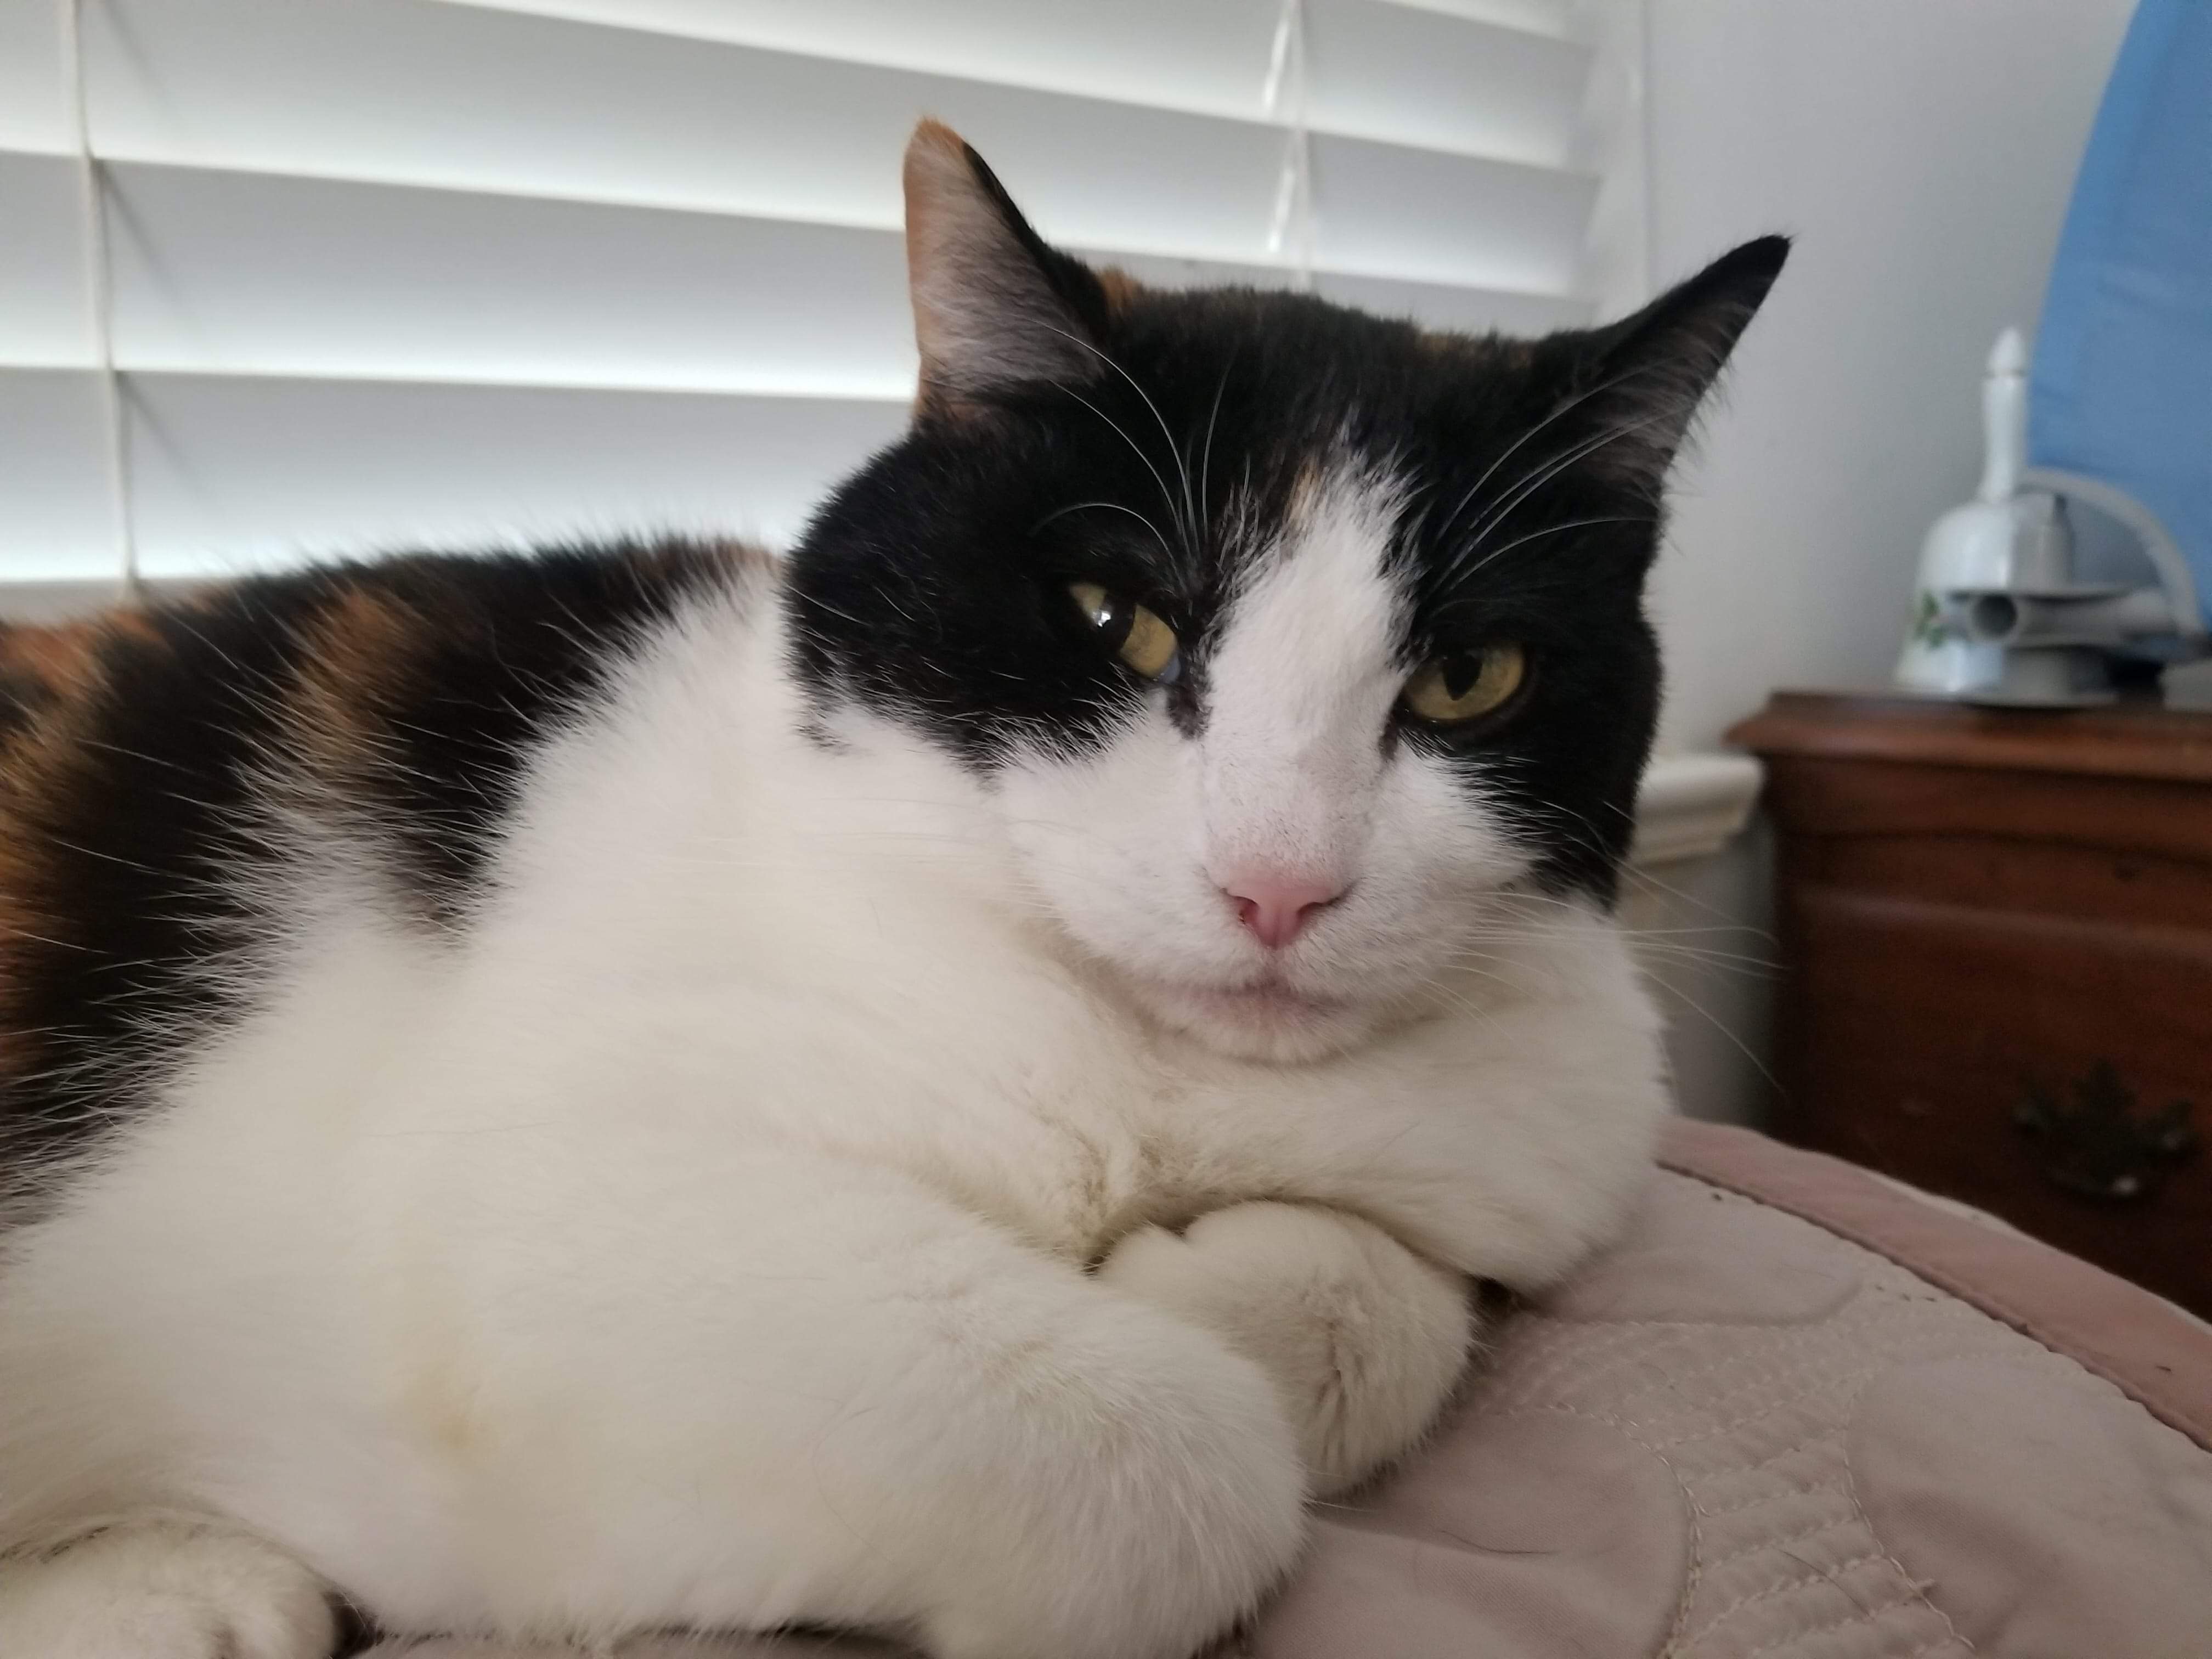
{"x": 1277, "y": 908}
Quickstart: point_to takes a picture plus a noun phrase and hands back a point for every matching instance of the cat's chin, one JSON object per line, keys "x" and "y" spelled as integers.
{"x": 1266, "y": 1022}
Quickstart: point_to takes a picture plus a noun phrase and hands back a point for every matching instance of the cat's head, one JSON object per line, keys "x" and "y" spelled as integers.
{"x": 1286, "y": 638}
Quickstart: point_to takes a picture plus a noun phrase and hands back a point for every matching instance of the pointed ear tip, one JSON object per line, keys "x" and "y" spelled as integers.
{"x": 1763, "y": 256}
{"x": 932, "y": 146}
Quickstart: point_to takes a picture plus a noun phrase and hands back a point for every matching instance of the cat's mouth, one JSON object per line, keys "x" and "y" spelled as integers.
{"x": 1270, "y": 1000}
{"x": 1265, "y": 1020}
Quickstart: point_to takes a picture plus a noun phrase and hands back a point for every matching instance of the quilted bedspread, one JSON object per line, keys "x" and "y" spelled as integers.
{"x": 1796, "y": 1415}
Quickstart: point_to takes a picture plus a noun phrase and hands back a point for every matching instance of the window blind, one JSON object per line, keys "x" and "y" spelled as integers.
{"x": 471, "y": 272}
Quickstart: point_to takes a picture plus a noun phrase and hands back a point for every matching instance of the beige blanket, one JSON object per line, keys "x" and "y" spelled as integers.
{"x": 1797, "y": 1414}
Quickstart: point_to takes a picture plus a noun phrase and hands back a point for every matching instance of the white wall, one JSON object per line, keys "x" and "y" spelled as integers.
{"x": 1923, "y": 152}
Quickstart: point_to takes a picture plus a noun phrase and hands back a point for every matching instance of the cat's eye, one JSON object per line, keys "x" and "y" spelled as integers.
{"x": 1127, "y": 628}
{"x": 1465, "y": 685}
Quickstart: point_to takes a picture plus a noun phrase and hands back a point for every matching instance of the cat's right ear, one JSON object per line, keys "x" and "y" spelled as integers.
{"x": 994, "y": 308}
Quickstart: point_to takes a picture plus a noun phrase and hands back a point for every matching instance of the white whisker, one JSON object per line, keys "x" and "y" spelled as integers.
{"x": 1189, "y": 520}
{"x": 1529, "y": 485}
{"x": 1565, "y": 408}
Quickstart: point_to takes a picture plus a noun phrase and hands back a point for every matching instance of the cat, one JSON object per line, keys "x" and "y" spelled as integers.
{"x": 945, "y": 1084}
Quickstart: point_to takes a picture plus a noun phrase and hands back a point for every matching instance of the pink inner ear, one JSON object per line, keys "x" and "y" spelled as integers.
{"x": 986, "y": 314}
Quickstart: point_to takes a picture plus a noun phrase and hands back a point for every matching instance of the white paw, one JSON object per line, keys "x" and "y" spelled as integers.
{"x": 169, "y": 1590}
{"x": 1363, "y": 1339}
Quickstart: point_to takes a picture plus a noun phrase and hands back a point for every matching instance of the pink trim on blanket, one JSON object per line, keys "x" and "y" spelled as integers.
{"x": 2117, "y": 1330}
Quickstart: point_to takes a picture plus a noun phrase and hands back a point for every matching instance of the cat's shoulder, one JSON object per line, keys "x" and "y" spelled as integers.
{"x": 156, "y": 760}
{"x": 412, "y": 683}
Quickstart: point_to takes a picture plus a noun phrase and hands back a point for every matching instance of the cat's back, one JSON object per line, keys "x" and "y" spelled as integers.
{"x": 162, "y": 767}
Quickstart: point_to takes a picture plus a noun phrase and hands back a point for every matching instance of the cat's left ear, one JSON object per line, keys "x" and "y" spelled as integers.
{"x": 994, "y": 308}
{"x": 1649, "y": 372}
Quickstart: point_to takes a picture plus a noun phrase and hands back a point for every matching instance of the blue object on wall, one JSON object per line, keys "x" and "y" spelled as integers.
{"x": 2120, "y": 393}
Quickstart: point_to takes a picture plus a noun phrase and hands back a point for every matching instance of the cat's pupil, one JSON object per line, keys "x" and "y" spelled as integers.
{"x": 1461, "y": 671}
{"x": 1113, "y": 616}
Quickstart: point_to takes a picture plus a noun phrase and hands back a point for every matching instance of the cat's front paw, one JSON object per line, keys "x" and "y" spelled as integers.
{"x": 1363, "y": 1339}
{"x": 163, "y": 1591}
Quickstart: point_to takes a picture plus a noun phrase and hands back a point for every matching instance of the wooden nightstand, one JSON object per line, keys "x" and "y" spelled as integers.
{"x": 1996, "y": 938}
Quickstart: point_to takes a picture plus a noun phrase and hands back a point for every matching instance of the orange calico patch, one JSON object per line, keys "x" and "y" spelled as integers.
{"x": 1121, "y": 288}
{"x": 355, "y": 662}
{"x": 43, "y": 666}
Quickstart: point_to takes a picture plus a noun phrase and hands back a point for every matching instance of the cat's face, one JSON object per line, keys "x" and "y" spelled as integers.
{"x": 1286, "y": 639}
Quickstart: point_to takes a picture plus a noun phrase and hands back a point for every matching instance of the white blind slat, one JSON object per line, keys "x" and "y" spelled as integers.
{"x": 44, "y": 319}
{"x": 1418, "y": 78}
{"x": 1424, "y": 215}
{"x": 254, "y": 471}
{"x": 245, "y": 272}
{"x": 1556, "y": 18}
{"x": 37, "y": 105}
{"x": 246, "y": 473}
{"x": 57, "y": 525}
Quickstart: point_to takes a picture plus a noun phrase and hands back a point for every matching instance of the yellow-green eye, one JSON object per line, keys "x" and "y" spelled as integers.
{"x": 1132, "y": 632}
{"x": 1465, "y": 685}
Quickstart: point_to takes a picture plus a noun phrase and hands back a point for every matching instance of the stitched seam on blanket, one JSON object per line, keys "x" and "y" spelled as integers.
{"x": 1834, "y": 1432}
{"x": 1782, "y": 1342}
{"x": 1745, "y": 1552}
{"x": 1845, "y": 1381}
{"x": 1919, "y": 1587}
{"x": 1802, "y": 1581}
{"x": 1858, "y": 1615}
{"x": 1678, "y": 1626}
{"x": 1786, "y": 1492}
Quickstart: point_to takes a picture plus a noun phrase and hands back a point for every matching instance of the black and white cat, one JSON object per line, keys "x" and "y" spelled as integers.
{"x": 945, "y": 1084}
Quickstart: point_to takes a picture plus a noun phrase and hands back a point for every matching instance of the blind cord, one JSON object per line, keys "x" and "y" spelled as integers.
{"x": 1290, "y": 231}
{"x": 99, "y": 303}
